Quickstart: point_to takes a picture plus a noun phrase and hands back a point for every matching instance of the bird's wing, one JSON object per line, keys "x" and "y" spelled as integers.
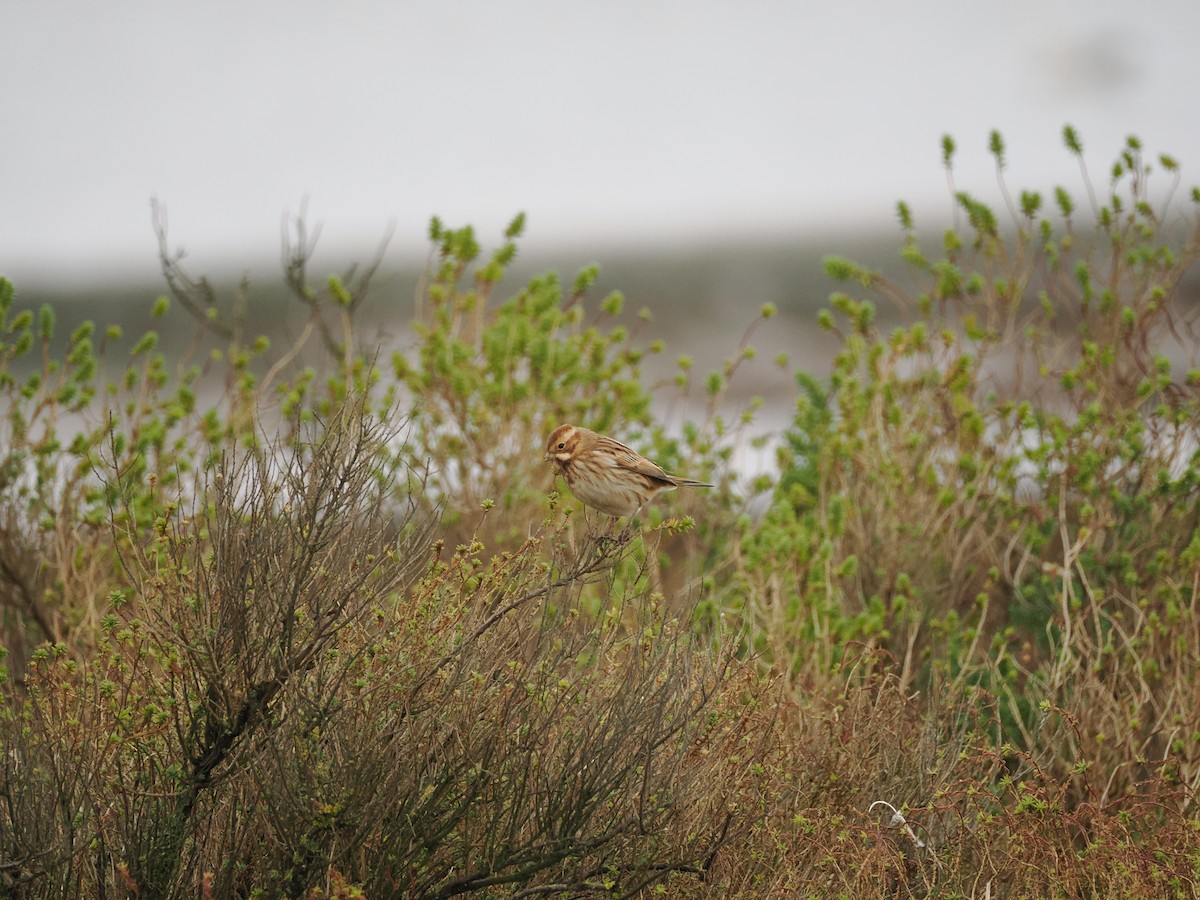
{"x": 635, "y": 462}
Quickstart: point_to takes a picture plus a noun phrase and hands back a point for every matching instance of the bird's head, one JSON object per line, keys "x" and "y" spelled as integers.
{"x": 562, "y": 443}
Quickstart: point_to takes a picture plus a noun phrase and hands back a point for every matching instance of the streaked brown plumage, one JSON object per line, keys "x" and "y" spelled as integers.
{"x": 605, "y": 474}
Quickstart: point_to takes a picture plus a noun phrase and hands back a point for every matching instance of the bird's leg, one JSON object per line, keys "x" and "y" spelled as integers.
{"x": 627, "y": 531}
{"x": 605, "y": 538}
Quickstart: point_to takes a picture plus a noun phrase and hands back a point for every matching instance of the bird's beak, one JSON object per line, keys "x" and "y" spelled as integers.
{"x": 547, "y": 457}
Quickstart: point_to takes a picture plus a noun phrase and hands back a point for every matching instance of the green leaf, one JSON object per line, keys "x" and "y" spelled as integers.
{"x": 996, "y": 147}
{"x": 948, "y": 148}
{"x": 1072, "y": 141}
{"x": 46, "y": 322}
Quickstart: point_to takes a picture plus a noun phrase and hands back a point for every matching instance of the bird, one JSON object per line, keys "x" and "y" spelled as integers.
{"x": 605, "y": 474}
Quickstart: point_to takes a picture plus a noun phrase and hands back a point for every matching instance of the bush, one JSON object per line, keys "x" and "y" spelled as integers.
{"x": 294, "y": 682}
{"x": 261, "y": 645}
{"x": 1001, "y": 497}
{"x": 313, "y": 620}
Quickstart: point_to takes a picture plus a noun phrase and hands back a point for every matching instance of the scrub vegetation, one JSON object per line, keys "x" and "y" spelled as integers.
{"x": 313, "y": 620}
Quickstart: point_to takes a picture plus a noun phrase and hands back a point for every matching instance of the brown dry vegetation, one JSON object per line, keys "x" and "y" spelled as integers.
{"x": 310, "y": 622}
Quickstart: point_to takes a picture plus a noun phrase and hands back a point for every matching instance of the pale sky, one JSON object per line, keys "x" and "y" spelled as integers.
{"x": 631, "y": 124}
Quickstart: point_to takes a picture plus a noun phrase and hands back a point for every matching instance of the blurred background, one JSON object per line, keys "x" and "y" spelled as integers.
{"x": 706, "y": 154}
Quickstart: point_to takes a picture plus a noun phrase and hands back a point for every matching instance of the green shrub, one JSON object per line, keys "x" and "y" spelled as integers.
{"x": 255, "y": 639}
{"x": 310, "y": 619}
{"x": 295, "y": 682}
{"x": 1002, "y": 492}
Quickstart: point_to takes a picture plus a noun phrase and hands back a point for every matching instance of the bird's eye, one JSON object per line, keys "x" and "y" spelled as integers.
{"x": 561, "y": 445}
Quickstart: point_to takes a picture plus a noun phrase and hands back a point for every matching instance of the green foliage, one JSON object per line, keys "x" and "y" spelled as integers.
{"x": 309, "y": 617}
{"x": 224, "y": 583}
{"x": 1001, "y": 493}
{"x": 488, "y": 383}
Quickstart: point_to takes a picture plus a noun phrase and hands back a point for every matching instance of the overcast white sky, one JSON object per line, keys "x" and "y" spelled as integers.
{"x": 632, "y": 123}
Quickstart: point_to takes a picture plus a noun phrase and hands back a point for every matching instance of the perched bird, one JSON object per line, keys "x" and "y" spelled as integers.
{"x": 605, "y": 474}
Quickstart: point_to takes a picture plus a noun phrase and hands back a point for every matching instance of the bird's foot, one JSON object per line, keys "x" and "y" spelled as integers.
{"x": 608, "y": 539}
